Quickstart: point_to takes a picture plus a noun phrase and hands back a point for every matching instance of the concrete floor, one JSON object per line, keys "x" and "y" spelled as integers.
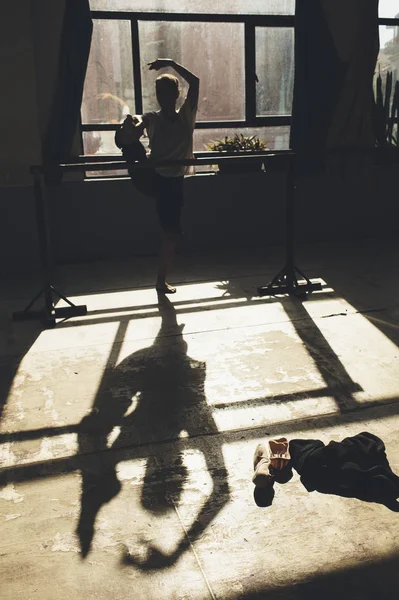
{"x": 126, "y": 436}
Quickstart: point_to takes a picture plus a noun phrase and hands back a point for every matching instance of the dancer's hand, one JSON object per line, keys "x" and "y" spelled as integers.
{"x": 160, "y": 63}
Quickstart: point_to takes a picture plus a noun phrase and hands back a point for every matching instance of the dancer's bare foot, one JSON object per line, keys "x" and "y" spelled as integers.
{"x": 165, "y": 288}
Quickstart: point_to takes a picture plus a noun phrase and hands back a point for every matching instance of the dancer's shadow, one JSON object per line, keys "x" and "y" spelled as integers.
{"x": 152, "y": 395}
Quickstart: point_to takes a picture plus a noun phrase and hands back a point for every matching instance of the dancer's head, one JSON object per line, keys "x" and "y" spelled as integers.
{"x": 167, "y": 88}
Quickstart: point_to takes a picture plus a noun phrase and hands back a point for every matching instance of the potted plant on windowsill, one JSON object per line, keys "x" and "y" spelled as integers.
{"x": 231, "y": 146}
{"x": 386, "y": 121}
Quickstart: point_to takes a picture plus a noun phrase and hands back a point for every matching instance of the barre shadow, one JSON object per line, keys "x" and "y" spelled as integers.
{"x": 337, "y": 379}
{"x": 152, "y": 396}
{"x": 338, "y": 382}
{"x": 373, "y": 295}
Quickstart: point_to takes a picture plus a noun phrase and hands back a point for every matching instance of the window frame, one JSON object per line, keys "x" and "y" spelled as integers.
{"x": 250, "y": 22}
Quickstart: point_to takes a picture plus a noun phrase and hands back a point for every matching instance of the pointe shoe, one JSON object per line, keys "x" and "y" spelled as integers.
{"x": 262, "y": 477}
{"x": 272, "y": 462}
{"x": 279, "y": 449}
{"x": 263, "y": 496}
{"x": 280, "y": 460}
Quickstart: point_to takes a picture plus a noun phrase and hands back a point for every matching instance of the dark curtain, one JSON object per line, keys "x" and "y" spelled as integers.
{"x": 74, "y": 54}
{"x": 336, "y": 48}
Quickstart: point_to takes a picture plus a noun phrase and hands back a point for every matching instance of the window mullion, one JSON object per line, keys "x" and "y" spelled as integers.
{"x": 250, "y": 72}
{"x": 138, "y": 92}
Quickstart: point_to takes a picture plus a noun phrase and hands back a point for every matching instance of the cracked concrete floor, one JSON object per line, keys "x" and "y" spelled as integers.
{"x": 126, "y": 436}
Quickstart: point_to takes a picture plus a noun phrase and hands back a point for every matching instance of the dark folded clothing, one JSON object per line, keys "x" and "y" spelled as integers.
{"x": 356, "y": 467}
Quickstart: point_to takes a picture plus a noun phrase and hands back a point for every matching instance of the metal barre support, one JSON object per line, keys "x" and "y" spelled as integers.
{"x": 286, "y": 281}
{"x": 49, "y": 313}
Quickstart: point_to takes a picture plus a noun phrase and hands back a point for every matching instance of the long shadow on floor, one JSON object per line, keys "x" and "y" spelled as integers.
{"x": 19, "y": 339}
{"x": 365, "y": 580}
{"x": 339, "y": 384}
{"x": 151, "y": 396}
{"x": 375, "y": 297}
{"x": 337, "y": 379}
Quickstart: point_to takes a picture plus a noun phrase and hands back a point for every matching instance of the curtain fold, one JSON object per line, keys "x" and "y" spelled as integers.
{"x": 64, "y": 116}
{"x": 336, "y": 49}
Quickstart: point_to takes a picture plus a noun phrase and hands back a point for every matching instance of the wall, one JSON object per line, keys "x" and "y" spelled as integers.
{"x": 29, "y": 46}
{"x": 47, "y": 17}
{"x": 19, "y": 140}
{"x": 104, "y": 220}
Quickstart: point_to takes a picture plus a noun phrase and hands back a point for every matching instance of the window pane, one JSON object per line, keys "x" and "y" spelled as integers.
{"x": 275, "y": 70}
{"x": 261, "y": 7}
{"x": 108, "y": 91}
{"x": 388, "y": 9}
{"x": 388, "y": 59}
{"x": 219, "y": 64}
{"x": 99, "y": 142}
{"x": 102, "y": 142}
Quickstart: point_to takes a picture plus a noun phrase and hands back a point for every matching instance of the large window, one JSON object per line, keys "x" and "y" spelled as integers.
{"x": 242, "y": 50}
